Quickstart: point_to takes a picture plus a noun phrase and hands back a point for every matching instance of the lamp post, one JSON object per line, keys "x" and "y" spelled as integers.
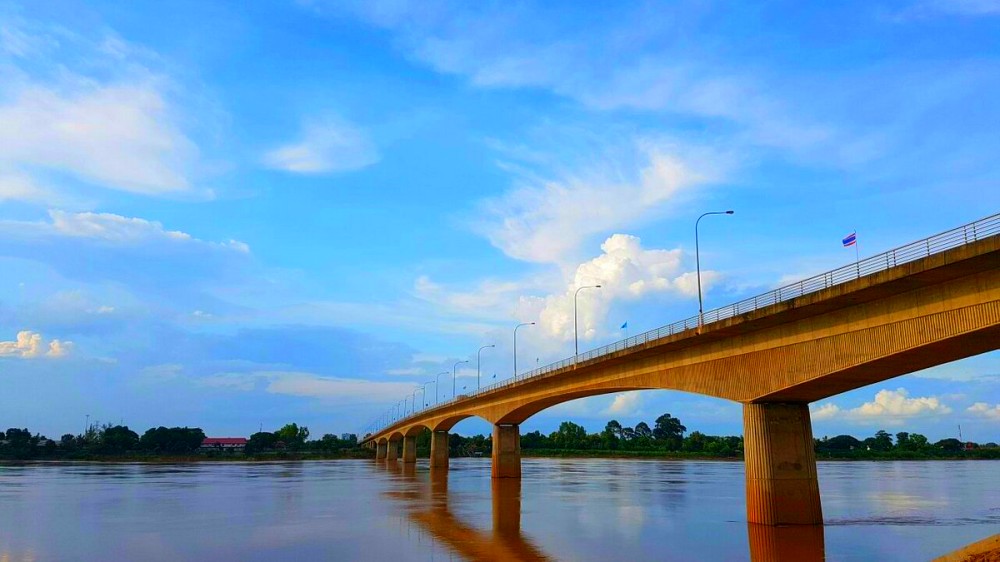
{"x": 437, "y": 387}
{"x": 515, "y": 344}
{"x": 423, "y": 397}
{"x": 697, "y": 261}
{"x": 576, "y": 338}
{"x": 453, "y": 374}
{"x": 413, "y": 409}
{"x": 479, "y": 360}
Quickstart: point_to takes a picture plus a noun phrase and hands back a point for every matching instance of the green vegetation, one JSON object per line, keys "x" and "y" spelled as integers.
{"x": 118, "y": 442}
{"x": 667, "y": 437}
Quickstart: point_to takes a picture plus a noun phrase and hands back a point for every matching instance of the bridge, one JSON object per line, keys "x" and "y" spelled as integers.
{"x": 927, "y": 303}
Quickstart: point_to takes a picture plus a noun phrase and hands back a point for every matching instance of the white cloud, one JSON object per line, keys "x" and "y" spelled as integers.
{"x": 546, "y": 221}
{"x": 624, "y": 404}
{"x": 330, "y": 146}
{"x": 118, "y": 136}
{"x": 889, "y": 405}
{"x": 825, "y": 412}
{"x": 17, "y": 186}
{"x": 985, "y": 410}
{"x": 310, "y": 385}
{"x": 625, "y": 271}
{"x": 29, "y": 345}
{"x": 110, "y": 228}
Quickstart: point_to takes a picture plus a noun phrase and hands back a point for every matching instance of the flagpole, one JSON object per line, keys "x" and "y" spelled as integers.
{"x": 857, "y": 253}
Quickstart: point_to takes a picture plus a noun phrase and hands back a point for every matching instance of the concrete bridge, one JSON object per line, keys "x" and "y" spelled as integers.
{"x": 924, "y": 304}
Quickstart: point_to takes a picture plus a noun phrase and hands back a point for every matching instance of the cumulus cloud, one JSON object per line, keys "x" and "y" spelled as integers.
{"x": 985, "y": 410}
{"x": 890, "y": 405}
{"x": 325, "y": 147}
{"x": 625, "y": 271}
{"x": 624, "y": 404}
{"x": 825, "y": 412}
{"x": 547, "y": 220}
{"x": 29, "y": 345}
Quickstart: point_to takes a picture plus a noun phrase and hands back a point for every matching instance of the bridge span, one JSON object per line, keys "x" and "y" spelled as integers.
{"x": 924, "y": 304}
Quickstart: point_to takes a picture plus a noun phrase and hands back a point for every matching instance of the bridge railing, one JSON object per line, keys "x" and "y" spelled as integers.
{"x": 978, "y": 230}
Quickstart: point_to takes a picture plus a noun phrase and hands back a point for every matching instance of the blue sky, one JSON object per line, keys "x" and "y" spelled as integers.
{"x": 232, "y": 215}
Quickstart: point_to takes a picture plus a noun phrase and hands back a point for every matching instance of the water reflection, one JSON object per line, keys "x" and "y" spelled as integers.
{"x": 429, "y": 507}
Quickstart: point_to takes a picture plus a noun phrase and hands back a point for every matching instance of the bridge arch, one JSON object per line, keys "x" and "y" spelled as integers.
{"x": 520, "y": 414}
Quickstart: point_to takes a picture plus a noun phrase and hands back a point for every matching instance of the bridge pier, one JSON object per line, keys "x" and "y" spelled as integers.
{"x": 410, "y": 449}
{"x": 439, "y": 450}
{"x": 380, "y": 451}
{"x": 506, "y": 451}
{"x": 782, "y": 488}
{"x": 391, "y": 451}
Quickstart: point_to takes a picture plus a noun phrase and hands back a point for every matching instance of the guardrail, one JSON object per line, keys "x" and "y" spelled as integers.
{"x": 978, "y": 230}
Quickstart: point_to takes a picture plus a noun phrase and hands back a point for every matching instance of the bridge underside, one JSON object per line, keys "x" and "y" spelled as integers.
{"x": 775, "y": 361}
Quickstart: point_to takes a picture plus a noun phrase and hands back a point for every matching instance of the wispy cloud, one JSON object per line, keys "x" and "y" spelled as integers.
{"x": 108, "y": 228}
{"x": 325, "y": 146}
{"x": 548, "y": 220}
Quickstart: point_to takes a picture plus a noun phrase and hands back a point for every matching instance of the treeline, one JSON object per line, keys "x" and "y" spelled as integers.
{"x": 668, "y": 437}
{"x": 905, "y": 446}
{"x": 104, "y": 440}
{"x": 119, "y": 441}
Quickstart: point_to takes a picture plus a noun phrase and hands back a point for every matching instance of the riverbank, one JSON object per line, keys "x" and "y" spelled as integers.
{"x": 975, "y": 454}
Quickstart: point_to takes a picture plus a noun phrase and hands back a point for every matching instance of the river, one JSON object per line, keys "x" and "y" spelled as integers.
{"x": 562, "y": 509}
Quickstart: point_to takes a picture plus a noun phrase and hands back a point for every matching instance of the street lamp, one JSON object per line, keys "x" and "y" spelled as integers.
{"x": 697, "y": 261}
{"x": 455, "y": 366}
{"x": 413, "y": 409}
{"x": 576, "y": 338}
{"x": 423, "y": 397}
{"x": 515, "y": 344}
{"x": 437, "y": 386}
{"x": 479, "y": 359}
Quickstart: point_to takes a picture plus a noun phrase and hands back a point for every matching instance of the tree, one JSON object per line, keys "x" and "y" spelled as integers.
{"x": 951, "y": 444}
{"x": 611, "y": 435}
{"x": 669, "y": 431}
{"x": 173, "y": 440}
{"x": 695, "y": 442}
{"x": 261, "y": 441}
{"x": 628, "y": 434}
{"x": 569, "y": 436}
{"x": 642, "y": 430}
{"x": 119, "y": 439}
{"x": 292, "y": 435}
{"x": 840, "y": 443}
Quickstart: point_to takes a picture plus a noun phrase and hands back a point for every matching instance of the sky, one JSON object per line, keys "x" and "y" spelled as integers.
{"x": 237, "y": 215}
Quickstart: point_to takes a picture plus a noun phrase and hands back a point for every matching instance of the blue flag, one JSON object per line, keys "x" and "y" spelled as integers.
{"x": 625, "y": 325}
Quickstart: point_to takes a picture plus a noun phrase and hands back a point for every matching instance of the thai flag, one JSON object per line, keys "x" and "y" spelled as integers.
{"x": 851, "y": 239}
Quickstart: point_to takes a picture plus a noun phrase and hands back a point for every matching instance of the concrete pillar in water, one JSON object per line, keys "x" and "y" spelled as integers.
{"x": 380, "y": 451}
{"x": 506, "y": 451}
{"x": 439, "y": 450}
{"x": 410, "y": 449}
{"x": 782, "y": 488}
{"x": 392, "y": 451}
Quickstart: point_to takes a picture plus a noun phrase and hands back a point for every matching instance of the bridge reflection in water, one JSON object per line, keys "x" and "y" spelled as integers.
{"x": 428, "y": 506}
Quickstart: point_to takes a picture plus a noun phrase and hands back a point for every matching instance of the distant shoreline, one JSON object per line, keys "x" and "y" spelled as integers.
{"x": 528, "y": 454}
